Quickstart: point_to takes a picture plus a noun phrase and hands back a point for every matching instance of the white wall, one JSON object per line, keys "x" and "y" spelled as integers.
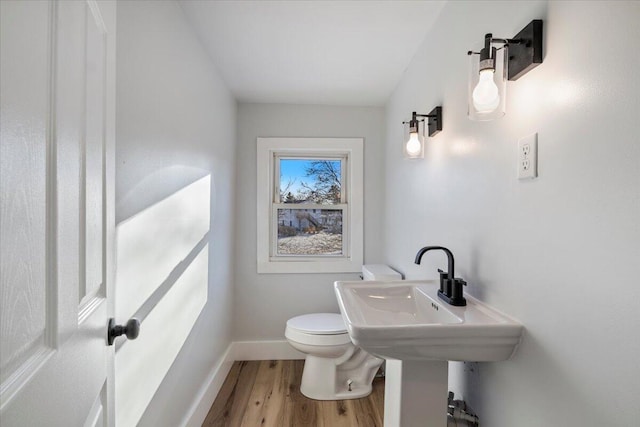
{"x": 264, "y": 302}
{"x": 176, "y": 124}
{"x": 560, "y": 253}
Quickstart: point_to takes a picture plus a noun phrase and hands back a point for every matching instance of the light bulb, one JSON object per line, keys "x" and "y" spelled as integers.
{"x": 413, "y": 145}
{"x": 486, "y": 97}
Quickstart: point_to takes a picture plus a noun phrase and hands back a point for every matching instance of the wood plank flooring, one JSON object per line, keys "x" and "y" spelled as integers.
{"x": 267, "y": 393}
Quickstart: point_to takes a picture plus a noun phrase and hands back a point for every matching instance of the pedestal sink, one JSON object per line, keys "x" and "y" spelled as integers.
{"x": 406, "y": 321}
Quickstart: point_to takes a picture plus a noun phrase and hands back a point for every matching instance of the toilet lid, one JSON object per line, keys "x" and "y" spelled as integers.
{"x": 318, "y": 324}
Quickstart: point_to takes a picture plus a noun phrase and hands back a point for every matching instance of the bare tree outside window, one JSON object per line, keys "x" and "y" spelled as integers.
{"x": 311, "y": 181}
{"x": 325, "y": 184}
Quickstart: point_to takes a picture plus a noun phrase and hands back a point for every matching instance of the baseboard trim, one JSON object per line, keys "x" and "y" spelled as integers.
{"x": 264, "y": 350}
{"x": 237, "y": 350}
{"x": 209, "y": 391}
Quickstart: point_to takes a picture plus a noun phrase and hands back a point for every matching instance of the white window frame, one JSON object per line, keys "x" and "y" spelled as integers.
{"x": 268, "y": 199}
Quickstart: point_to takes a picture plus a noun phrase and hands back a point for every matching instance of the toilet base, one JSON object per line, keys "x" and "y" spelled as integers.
{"x": 332, "y": 379}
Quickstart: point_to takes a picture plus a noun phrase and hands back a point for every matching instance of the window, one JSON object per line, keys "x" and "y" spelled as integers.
{"x": 310, "y": 205}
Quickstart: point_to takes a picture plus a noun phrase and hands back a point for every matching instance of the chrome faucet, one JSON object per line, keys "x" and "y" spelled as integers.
{"x": 450, "y": 287}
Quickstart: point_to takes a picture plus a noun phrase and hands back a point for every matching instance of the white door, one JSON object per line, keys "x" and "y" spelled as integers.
{"x": 57, "y": 71}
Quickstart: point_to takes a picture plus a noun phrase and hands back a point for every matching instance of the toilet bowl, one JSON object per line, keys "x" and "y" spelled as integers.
{"x": 334, "y": 368}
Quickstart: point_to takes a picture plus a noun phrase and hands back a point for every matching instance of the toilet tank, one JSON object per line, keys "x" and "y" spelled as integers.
{"x": 379, "y": 272}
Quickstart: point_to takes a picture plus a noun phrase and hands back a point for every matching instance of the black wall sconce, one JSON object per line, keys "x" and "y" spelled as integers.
{"x": 413, "y": 145}
{"x": 490, "y": 69}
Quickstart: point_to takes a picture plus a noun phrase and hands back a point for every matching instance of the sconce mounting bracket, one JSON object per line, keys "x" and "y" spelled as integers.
{"x": 526, "y": 53}
{"x": 435, "y": 121}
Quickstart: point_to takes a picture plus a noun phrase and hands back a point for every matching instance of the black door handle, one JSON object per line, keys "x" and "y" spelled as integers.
{"x": 131, "y": 330}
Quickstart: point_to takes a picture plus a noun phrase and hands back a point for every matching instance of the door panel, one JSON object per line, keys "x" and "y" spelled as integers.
{"x": 57, "y": 131}
{"x": 24, "y": 130}
{"x": 93, "y": 144}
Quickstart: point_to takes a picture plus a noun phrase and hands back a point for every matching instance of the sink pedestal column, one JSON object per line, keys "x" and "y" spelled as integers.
{"x": 415, "y": 393}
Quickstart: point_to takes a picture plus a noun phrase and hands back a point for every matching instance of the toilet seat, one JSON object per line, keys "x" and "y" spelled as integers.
{"x": 318, "y": 324}
{"x": 320, "y": 329}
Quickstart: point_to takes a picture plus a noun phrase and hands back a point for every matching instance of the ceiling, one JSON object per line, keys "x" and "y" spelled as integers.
{"x": 312, "y": 52}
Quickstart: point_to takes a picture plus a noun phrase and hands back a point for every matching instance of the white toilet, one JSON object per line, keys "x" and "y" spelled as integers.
{"x": 334, "y": 368}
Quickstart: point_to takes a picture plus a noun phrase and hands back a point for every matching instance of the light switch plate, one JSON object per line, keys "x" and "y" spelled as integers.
{"x": 528, "y": 157}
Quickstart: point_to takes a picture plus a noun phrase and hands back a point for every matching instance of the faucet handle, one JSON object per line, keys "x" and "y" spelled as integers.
{"x": 445, "y": 284}
{"x": 456, "y": 294}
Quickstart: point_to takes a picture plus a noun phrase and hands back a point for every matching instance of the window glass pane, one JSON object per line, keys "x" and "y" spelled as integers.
{"x": 310, "y": 232}
{"x": 316, "y": 181}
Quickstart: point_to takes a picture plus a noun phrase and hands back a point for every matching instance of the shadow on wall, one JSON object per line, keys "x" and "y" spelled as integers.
{"x": 145, "y": 191}
{"x": 161, "y": 279}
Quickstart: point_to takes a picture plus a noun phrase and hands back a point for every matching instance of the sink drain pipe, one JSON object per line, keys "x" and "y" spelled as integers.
{"x": 458, "y": 415}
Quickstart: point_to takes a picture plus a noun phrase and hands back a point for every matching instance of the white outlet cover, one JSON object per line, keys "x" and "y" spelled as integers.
{"x": 528, "y": 157}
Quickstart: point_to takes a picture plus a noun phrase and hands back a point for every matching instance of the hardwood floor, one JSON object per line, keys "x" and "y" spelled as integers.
{"x": 267, "y": 393}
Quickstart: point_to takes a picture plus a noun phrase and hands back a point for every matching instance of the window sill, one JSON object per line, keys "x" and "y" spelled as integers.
{"x": 310, "y": 266}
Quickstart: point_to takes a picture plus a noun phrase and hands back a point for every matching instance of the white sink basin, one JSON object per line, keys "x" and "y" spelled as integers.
{"x": 406, "y": 320}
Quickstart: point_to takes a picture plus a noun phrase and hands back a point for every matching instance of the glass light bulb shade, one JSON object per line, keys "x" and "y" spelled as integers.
{"x": 486, "y": 97}
{"x": 487, "y": 88}
{"x": 413, "y": 141}
{"x": 413, "y": 146}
